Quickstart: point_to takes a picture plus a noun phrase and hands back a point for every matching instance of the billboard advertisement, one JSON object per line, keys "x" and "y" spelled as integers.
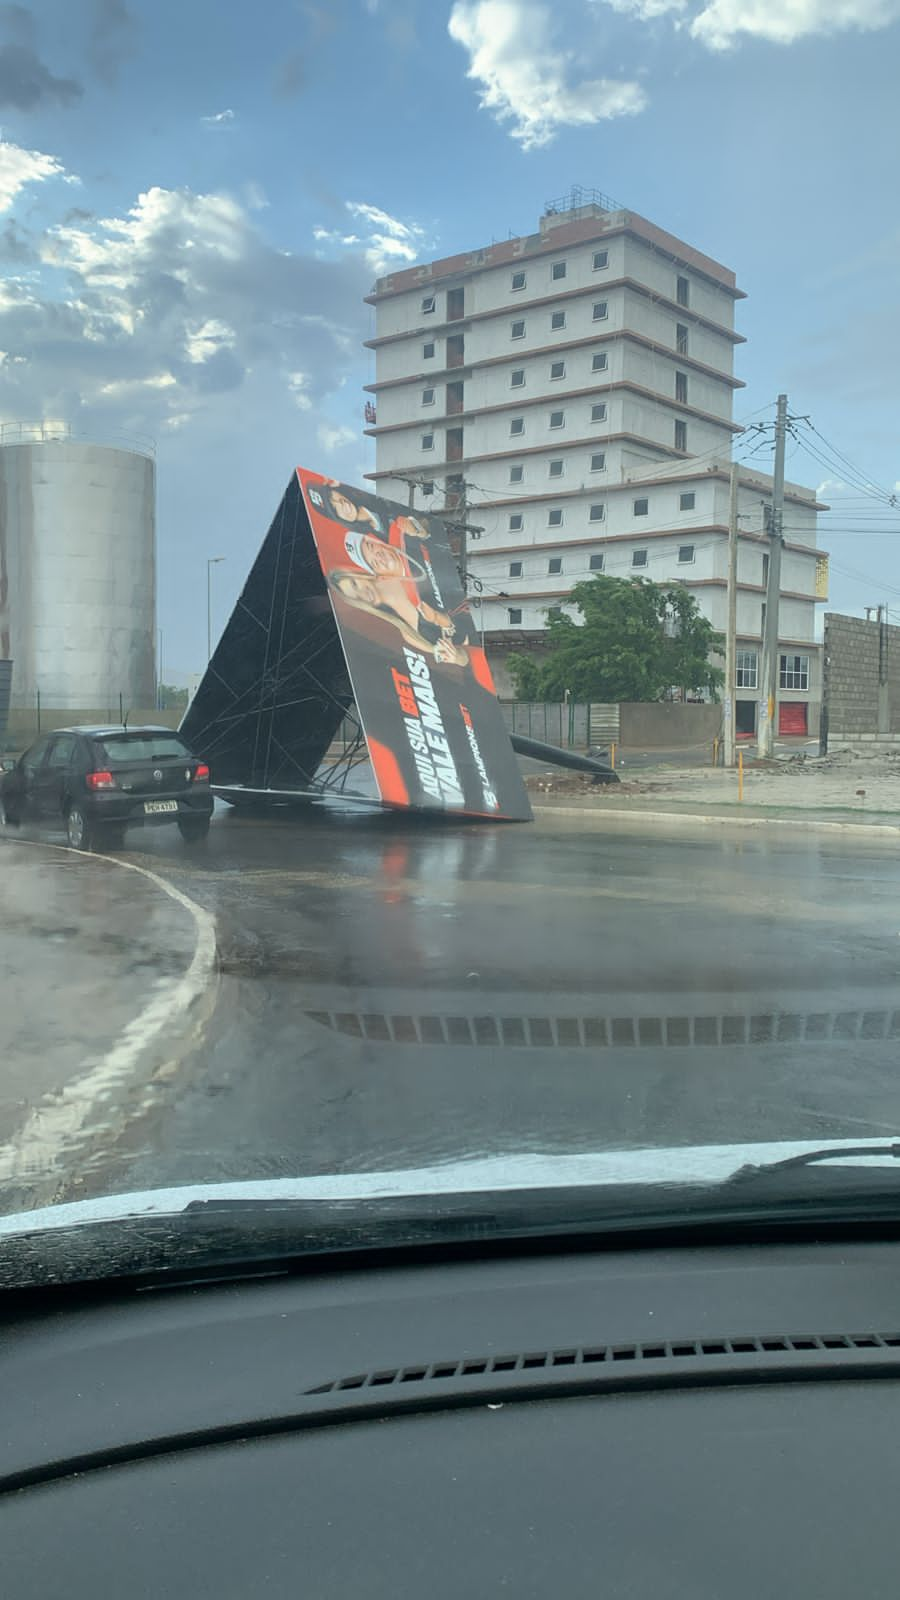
{"x": 420, "y": 678}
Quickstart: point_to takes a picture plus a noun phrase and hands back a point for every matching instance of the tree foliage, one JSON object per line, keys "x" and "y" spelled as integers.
{"x": 636, "y": 641}
{"x": 171, "y": 698}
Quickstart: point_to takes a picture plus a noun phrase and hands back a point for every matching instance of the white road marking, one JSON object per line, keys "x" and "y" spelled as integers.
{"x": 31, "y": 1154}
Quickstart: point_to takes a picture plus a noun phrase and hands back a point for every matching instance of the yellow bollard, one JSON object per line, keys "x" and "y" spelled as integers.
{"x": 612, "y": 755}
{"x": 740, "y": 774}
{"x": 715, "y": 760}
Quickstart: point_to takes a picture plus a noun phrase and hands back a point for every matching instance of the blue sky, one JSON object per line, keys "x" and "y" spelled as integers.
{"x": 194, "y": 197}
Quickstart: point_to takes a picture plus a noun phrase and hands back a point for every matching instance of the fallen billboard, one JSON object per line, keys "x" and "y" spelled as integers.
{"x": 352, "y": 599}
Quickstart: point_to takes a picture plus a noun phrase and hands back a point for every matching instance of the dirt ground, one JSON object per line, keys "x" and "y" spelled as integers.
{"x": 857, "y": 779}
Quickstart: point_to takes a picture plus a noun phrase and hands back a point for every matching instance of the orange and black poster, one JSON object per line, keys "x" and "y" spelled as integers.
{"x": 420, "y": 678}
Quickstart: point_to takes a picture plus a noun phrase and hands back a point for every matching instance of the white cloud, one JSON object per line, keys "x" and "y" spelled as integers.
{"x": 525, "y": 79}
{"x": 19, "y": 167}
{"x": 165, "y": 312}
{"x": 385, "y": 242}
{"x": 204, "y": 341}
{"x": 219, "y": 119}
{"x": 332, "y": 436}
{"x": 646, "y": 10}
{"x": 129, "y": 388}
{"x": 722, "y": 22}
{"x": 298, "y": 384}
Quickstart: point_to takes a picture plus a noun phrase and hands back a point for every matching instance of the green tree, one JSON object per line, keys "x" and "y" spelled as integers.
{"x": 172, "y": 699}
{"x": 526, "y": 676}
{"x": 635, "y": 641}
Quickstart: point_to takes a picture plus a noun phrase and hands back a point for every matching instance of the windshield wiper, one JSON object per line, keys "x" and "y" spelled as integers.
{"x": 809, "y": 1158}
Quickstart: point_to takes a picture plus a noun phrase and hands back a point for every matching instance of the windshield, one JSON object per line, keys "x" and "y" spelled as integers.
{"x": 486, "y": 580}
{"x": 121, "y": 750}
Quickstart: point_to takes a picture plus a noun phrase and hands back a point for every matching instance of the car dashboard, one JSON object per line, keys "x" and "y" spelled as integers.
{"x": 688, "y": 1421}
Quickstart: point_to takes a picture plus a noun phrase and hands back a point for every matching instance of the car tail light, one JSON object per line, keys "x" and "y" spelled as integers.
{"x": 101, "y": 780}
{"x": 201, "y": 774}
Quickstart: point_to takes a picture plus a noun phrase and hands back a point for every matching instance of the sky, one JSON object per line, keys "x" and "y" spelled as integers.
{"x": 196, "y": 196}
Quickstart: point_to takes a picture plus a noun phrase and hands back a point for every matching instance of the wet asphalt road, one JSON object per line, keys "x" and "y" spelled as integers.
{"x": 393, "y": 994}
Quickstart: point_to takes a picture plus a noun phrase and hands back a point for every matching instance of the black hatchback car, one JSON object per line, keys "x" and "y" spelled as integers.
{"x": 100, "y": 781}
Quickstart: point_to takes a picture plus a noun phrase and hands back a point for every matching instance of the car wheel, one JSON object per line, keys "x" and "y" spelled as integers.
{"x": 8, "y": 815}
{"x": 193, "y": 829}
{"x": 78, "y": 829}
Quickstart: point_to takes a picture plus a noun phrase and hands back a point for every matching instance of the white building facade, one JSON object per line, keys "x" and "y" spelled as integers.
{"x": 573, "y": 389}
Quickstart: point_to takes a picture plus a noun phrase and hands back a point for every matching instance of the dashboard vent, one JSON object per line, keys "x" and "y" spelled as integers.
{"x": 681, "y": 1351}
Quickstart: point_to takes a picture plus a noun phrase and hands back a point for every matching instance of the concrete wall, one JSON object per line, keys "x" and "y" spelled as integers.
{"x": 640, "y": 727}
{"x": 861, "y": 680}
{"x": 565, "y": 725}
{"x": 668, "y": 726}
{"x": 23, "y": 728}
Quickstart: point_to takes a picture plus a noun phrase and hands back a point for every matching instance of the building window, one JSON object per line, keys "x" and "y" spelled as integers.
{"x": 765, "y": 568}
{"x": 794, "y": 672}
{"x": 680, "y": 435}
{"x": 554, "y": 517}
{"x": 427, "y": 442}
{"x": 558, "y": 319}
{"x": 598, "y": 411}
{"x": 515, "y": 522}
{"x": 515, "y": 569}
{"x": 558, "y": 270}
{"x": 428, "y": 305}
{"x": 681, "y": 339}
{"x": 685, "y": 554}
{"x": 682, "y": 291}
{"x": 516, "y": 474}
{"x": 514, "y": 614}
{"x": 641, "y": 507}
{"x": 557, "y": 369}
{"x": 517, "y": 281}
{"x": 681, "y": 388}
{"x": 599, "y": 361}
{"x": 596, "y": 561}
{"x": 687, "y": 501}
{"x": 638, "y": 558}
{"x": 428, "y": 350}
{"x": 601, "y": 260}
{"x": 745, "y": 669}
{"x": 600, "y": 311}
{"x": 517, "y": 424}
{"x": 517, "y": 378}
{"x": 555, "y": 469}
{"x": 517, "y": 329}
{"x": 598, "y": 461}
{"x": 557, "y": 419}
{"x": 427, "y": 486}
{"x": 554, "y": 565}
{"x": 597, "y": 513}
{"x": 428, "y": 397}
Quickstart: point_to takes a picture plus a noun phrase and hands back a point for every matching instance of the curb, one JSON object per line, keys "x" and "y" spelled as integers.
{"x": 814, "y": 824}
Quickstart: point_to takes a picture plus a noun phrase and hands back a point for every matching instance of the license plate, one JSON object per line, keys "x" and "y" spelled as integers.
{"x": 154, "y": 807}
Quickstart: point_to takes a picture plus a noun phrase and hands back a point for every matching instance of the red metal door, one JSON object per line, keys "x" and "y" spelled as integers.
{"x": 792, "y": 716}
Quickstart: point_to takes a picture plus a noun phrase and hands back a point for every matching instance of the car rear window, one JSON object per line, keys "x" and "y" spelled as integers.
{"x": 123, "y": 750}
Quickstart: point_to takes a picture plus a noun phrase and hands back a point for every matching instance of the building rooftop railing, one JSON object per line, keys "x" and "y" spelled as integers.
{"x": 579, "y": 196}
{"x": 62, "y": 433}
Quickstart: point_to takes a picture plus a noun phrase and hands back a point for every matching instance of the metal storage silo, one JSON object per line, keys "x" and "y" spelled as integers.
{"x": 77, "y": 570}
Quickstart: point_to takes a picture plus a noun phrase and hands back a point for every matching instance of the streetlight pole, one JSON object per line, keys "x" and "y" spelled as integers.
{"x": 212, "y": 561}
{"x": 159, "y": 672}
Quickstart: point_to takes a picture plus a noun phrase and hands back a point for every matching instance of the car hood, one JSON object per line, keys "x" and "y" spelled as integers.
{"x": 650, "y": 1168}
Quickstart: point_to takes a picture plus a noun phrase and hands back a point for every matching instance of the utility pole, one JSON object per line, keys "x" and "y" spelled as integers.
{"x": 730, "y": 705}
{"x": 212, "y": 561}
{"x": 769, "y": 684}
